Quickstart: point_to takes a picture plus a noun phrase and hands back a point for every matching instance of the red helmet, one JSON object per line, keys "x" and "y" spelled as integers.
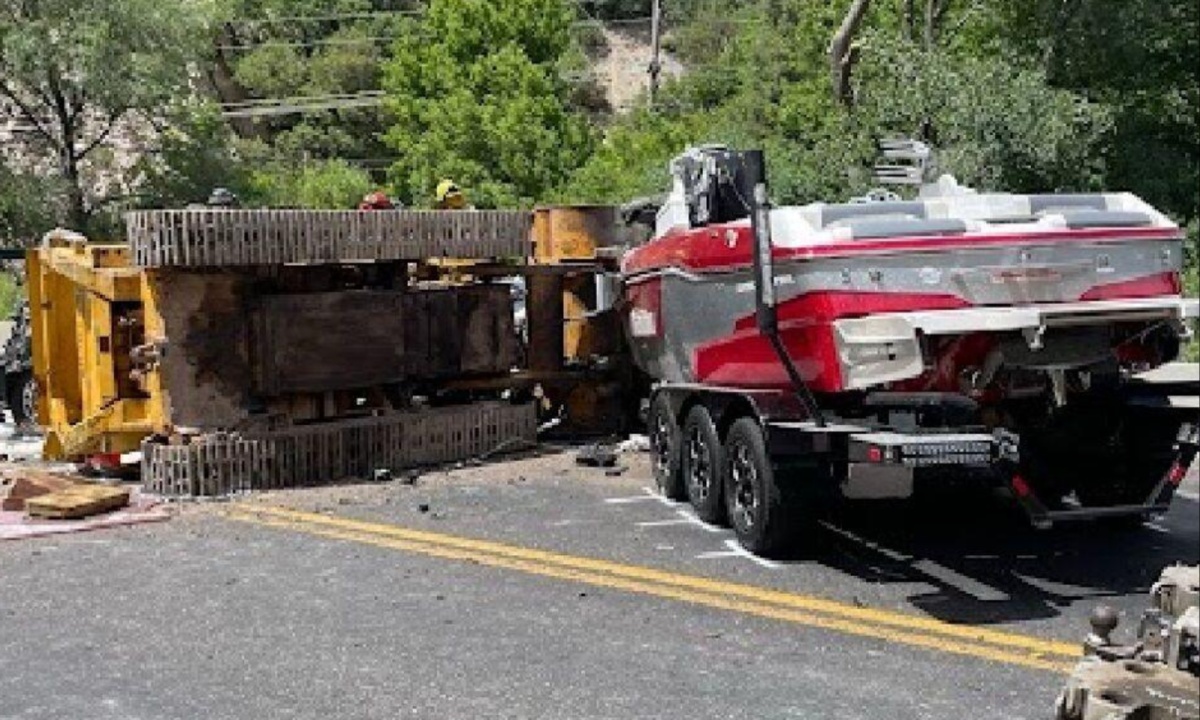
{"x": 377, "y": 200}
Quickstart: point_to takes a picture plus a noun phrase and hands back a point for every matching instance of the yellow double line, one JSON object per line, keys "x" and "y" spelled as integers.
{"x": 1010, "y": 648}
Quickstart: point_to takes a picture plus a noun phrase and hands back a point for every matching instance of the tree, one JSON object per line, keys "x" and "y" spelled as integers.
{"x": 328, "y": 50}
{"x": 476, "y": 95}
{"x": 843, "y": 53}
{"x": 321, "y": 184}
{"x": 999, "y": 124}
{"x": 188, "y": 158}
{"x": 1139, "y": 57}
{"x": 28, "y": 207}
{"x": 87, "y": 77}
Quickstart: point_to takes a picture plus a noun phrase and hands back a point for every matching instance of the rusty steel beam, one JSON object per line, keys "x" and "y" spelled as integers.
{"x": 544, "y": 315}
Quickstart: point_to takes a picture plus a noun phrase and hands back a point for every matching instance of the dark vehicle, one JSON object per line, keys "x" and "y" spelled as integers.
{"x": 19, "y": 389}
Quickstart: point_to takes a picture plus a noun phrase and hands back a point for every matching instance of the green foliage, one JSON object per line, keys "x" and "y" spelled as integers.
{"x": 1138, "y": 57}
{"x": 476, "y": 96}
{"x": 1191, "y": 282}
{"x": 29, "y": 206}
{"x": 10, "y": 293}
{"x": 83, "y": 74}
{"x": 194, "y": 154}
{"x": 997, "y": 121}
{"x": 281, "y": 49}
{"x": 324, "y": 184}
{"x": 996, "y": 124}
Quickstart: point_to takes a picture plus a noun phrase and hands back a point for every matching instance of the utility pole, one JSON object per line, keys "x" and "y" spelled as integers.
{"x": 655, "y": 38}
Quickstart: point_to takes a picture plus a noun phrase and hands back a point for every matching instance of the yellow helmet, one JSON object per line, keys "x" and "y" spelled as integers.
{"x": 449, "y": 196}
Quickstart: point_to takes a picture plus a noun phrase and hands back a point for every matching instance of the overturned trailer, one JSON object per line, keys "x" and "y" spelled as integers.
{"x": 852, "y": 350}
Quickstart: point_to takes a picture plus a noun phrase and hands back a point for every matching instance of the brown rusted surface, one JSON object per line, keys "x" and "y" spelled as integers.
{"x": 544, "y": 309}
{"x": 242, "y": 345}
{"x": 356, "y": 339}
{"x": 206, "y": 369}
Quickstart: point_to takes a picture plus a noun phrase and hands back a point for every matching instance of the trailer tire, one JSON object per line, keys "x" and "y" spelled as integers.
{"x": 756, "y": 507}
{"x": 702, "y": 460}
{"x": 22, "y": 391}
{"x": 665, "y": 442}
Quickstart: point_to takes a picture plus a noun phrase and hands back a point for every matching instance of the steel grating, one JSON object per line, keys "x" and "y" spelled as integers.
{"x": 222, "y": 237}
{"x": 225, "y": 463}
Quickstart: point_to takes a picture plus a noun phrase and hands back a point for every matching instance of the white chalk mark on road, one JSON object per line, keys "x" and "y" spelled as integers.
{"x": 647, "y": 495}
{"x": 685, "y": 517}
{"x": 736, "y": 550}
{"x": 929, "y": 568}
{"x": 664, "y": 523}
{"x": 960, "y": 582}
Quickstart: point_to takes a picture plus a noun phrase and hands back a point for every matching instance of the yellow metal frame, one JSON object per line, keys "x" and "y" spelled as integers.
{"x": 79, "y": 289}
{"x": 73, "y": 286}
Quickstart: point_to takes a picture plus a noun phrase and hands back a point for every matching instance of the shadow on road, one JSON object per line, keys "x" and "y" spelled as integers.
{"x": 988, "y": 564}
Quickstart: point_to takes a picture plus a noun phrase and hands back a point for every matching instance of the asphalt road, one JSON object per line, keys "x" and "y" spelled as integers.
{"x": 539, "y": 589}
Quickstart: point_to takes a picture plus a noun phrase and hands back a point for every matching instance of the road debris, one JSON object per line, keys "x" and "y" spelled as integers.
{"x": 77, "y": 501}
{"x": 16, "y": 487}
{"x": 597, "y": 455}
{"x": 634, "y": 443}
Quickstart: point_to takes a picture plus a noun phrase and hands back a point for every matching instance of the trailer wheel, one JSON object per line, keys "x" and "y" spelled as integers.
{"x": 22, "y": 397}
{"x": 665, "y": 449}
{"x": 753, "y": 500}
{"x": 703, "y": 465}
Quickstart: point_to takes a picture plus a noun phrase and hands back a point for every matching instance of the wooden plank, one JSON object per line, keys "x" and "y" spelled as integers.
{"x": 77, "y": 502}
{"x": 19, "y": 486}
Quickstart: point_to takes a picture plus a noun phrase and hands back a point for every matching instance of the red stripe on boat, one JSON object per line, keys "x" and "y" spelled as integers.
{"x": 1166, "y": 283}
{"x": 709, "y": 248}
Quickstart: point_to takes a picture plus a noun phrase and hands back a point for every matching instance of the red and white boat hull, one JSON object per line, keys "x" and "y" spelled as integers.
{"x": 854, "y": 312}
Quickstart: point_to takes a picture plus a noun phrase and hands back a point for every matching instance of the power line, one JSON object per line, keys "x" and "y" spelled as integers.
{"x": 335, "y": 17}
{"x": 266, "y": 107}
{"x": 309, "y": 43}
{"x": 252, "y": 102}
{"x": 298, "y": 105}
{"x": 377, "y": 39}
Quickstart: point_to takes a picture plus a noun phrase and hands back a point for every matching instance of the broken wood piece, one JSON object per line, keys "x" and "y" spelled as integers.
{"x": 78, "y": 501}
{"x": 18, "y": 487}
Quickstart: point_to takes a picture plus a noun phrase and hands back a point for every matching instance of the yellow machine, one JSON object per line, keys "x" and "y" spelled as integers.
{"x": 90, "y": 312}
{"x": 263, "y": 348}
